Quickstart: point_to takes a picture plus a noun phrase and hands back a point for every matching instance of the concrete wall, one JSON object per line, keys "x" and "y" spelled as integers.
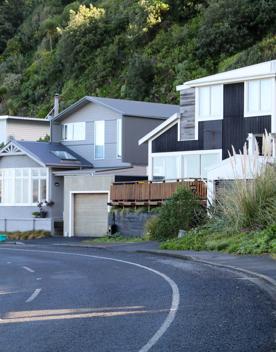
{"x": 135, "y": 128}
{"x": 130, "y": 224}
{"x": 82, "y": 184}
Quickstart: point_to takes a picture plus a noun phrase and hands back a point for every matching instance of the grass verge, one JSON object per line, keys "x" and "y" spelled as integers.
{"x": 254, "y": 242}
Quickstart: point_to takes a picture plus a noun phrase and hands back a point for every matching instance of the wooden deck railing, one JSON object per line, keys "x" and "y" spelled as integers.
{"x": 146, "y": 191}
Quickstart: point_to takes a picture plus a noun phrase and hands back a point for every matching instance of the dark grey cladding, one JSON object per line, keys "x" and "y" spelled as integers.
{"x": 187, "y": 114}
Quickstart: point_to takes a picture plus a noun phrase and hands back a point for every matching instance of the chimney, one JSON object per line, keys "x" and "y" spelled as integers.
{"x": 56, "y": 105}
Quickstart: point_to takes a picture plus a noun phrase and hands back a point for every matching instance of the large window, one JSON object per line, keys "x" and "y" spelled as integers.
{"x": 119, "y": 138}
{"x": 258, "y": 97}
{"x": 24, "y": 186}
{"x": 209, "y": 102}
{"x": 167, "y": 167}
{"x": 74, "y": 131}
{"x": 171, "y": 167}
{"x": 99, "y": 132}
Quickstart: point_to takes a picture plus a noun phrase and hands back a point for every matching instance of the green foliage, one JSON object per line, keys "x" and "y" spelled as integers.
{"x": 204, "y": 238}
{"x": 248, "y": 204}
{"x": 134, "y": 49}
{"x": 182, "y": 211}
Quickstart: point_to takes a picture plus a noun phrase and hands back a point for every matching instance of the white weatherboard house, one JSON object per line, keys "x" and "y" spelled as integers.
{"x": 94, "y": 142}
{"x": 216, "y": 112}
{"x": 22, "y": 128}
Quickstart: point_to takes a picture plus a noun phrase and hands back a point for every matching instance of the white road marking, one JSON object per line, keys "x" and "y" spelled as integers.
{"x": 175, "y": 291}
{"x": 28, "y": 269}
{"x": 34, "y": 295}
{"x": 38, "y": 278}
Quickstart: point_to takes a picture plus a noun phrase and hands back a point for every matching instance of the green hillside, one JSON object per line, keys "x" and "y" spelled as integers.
{"x": 136, "y": 49}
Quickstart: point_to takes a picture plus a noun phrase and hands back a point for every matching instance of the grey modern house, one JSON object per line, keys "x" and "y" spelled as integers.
{"x": 216, "y": 112}
{"x": 93, "y": 142}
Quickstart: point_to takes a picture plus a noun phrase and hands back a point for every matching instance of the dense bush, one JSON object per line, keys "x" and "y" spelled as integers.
{"x": 182, "y": 211}
{"x": 137, "y": 49}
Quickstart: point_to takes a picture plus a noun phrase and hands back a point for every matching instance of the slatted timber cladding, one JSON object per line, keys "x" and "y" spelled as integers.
{"x": 153, "y": 191}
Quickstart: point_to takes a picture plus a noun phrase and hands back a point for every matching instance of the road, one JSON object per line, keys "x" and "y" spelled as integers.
{"x": 80, "y": 300}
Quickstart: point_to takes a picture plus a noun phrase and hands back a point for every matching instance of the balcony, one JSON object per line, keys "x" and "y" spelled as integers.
{"x": 145, "y": 193}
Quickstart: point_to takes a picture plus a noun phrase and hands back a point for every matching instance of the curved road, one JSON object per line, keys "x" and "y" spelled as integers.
{"x": 92, "y": 300}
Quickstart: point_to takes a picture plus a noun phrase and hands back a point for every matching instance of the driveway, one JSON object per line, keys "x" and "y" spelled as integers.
{"x": 58, "y": 299}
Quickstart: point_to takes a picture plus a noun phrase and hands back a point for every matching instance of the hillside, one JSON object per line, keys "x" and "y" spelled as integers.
{"x": 136, "y": 49}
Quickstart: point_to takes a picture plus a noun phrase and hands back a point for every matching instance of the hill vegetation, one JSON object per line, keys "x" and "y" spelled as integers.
{"x": 136, "y": 49}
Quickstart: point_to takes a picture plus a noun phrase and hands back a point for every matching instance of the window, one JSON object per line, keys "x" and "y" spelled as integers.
{"x": 24, "y": 186}
{"x": 167, "y": 167}
{"x": 119, "y": 138}
{"x": 63, "y": 155}
{"x": 99, "y": 139}
{"x": 184, "y": 165}
{"x": 258, "y": 97}
{"x": 74, "y": 131}
{"x": 209, "y": 102}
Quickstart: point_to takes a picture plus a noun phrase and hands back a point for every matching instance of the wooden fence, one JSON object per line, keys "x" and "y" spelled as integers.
{"x": 147, "y": 192}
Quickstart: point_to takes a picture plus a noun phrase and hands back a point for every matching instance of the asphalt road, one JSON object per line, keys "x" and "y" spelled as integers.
{"x": 55, "y": 300}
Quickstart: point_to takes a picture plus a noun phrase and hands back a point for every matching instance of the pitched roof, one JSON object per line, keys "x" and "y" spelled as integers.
{"x": 264, "y": 69}
{"x": 125, "y": 107}
{"x": 22, "y": 118}
{"x": 159, "y": 129}
{"x": 43, "y": 152}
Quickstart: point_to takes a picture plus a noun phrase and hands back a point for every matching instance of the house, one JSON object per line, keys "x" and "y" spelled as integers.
{"x": 93, "y": 142}
{"x": 22, "y": 128}
{"x": 216, "y": 112}
{"x": 105, "y": 132}
{"x": 27, "y": 178}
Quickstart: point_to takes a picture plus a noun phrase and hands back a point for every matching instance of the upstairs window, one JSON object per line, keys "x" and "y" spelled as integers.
{"x": 119, "y": 139}
{"x": 258, "y": 97}
{"x": 99, "y": 133}
{"x": 209, "y": 102}
{"x": 74, "y": 131}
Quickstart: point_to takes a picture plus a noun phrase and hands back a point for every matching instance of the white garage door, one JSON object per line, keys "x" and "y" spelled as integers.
{"x": 90, "y": 214}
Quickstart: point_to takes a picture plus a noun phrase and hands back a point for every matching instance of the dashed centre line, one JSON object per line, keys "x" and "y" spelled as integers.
{"x": 28, "y": 269}
{"x": 34, "y": 295}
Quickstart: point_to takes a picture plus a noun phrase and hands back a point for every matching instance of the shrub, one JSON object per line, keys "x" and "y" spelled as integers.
{"x": 182, "y": 211}
{"x": 151, "y": 227}
{"x": 248, "y": 204}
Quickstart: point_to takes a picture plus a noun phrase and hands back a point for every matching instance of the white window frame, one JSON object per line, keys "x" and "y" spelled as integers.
{"x": 73, "y": 125}
{"x": 95, "y": 130}
{"x": 209, "y": 116}
{"x": 192, "y": 152}
{"x": 119, "y": 139}
{"x": 30, "y": 178}
{"x": 247, "y": 112}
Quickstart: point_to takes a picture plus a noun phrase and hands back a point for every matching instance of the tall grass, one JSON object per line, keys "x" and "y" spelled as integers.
{"x": 249, "y": 203}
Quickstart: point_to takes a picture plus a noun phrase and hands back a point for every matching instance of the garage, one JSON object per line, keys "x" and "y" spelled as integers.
{"x": 90, "y": 214}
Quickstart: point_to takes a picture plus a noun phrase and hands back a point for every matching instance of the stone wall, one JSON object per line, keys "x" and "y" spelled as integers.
{"x": 129, "y": 224}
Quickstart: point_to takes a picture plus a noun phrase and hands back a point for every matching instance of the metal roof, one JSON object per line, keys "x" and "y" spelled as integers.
{"x": 125, "y": 107}
{"x": 263, "y": 69}
{"x": 22, "y": 118}
{"x": 43, "y": 152}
